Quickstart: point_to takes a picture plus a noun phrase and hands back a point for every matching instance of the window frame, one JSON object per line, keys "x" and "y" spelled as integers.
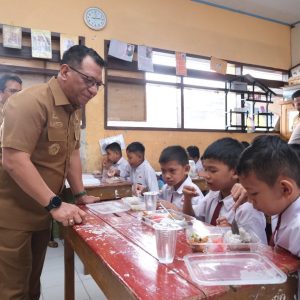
{"x": 115, "y": 64}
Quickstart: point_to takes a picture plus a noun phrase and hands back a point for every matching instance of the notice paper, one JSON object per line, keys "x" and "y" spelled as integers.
{"x": 121, "y": 50}
{"x": 145, "y": 58}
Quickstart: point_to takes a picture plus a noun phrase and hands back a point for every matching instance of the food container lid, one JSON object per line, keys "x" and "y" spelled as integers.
{"x": 167, "y": 226}
{"x": 233, "y": 268}
{"x": 109, "y": 207}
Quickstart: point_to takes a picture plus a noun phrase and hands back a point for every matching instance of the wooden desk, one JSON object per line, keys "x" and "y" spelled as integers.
{"x": 201, "y": 183}
{"x": 120, "y": 254}
{"x": 106, "y": 191}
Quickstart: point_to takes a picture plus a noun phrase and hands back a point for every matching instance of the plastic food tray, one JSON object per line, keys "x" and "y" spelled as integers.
{"x": 233, "y": 268}
{"x": 154, "y": 217}
{"x": 135, "y": 203}
{"x": 215, "y": 240}
{"x": 109, "y": 207}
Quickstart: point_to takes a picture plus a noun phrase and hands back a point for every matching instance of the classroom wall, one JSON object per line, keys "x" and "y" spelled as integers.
{"x": 181, "y": 25}
{"x": 295, "y": 44}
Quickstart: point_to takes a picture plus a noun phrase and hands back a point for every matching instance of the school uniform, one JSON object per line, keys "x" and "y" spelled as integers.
{"x": 144, "y": 175}
{"x": 123, "y": 166}
{"x": 199, "y": 166}
{"x": 287, "y": 234}
{"x": 207, "y": 207}
{"x": 176, "y": 197}
{"x": 251, "y": 219}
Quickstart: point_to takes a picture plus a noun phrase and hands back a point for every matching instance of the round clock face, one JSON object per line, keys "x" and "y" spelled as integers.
{"x": 95, "y": 18}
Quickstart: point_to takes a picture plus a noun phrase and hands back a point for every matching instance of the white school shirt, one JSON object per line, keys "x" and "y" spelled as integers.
{"x": 251, "y": 219}
{"x": 199, "y": 166}
{"x": 206, "y": 207}
{"x": 145, "y": 175}
{"x": 168, "y": 193}
{"x": 123, "y": 166}
{"x": 288, "y": 234}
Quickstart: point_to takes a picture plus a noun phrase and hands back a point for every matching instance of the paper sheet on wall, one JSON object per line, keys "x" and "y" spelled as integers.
{"x": 145, "y": 58}
{"x": 117, "y": 138}
{"x": 41, "y": 43}
{"x": 181, "y": 64}
{"x": 121, "y": 50}
{"x": 12, "y": 36}
{"x": 218, "y": 65}
{"x": 66, "y": 42}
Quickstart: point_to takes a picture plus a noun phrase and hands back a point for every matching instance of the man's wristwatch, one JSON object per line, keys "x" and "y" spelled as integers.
{"x": 55, "y": 202}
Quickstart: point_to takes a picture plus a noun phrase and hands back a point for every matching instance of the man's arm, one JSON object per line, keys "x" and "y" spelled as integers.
{"x": 24, "y": 173}
{"x": 74, "y": 177}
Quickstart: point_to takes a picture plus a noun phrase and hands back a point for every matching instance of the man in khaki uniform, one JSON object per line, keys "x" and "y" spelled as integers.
{"x": 9, "y": 85}
{"x": 40, "y": 142}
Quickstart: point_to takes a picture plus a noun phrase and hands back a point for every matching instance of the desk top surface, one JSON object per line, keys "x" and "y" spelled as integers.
{"x": 128, "y": 248}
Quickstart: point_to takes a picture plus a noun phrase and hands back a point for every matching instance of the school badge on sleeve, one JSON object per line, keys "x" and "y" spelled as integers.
{"x": 53, "y": 149}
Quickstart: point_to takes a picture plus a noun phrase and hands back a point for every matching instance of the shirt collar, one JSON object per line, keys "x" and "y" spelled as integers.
{"x": 58, "y": 94}
{"x": 290, "y": 212}
{"x": 188, "y": 181}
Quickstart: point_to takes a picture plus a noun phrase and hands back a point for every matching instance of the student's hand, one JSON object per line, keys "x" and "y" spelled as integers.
{"x": 138, "y": 189}
{"x": 222, "y": 221}
{"x": 189, "y": 192}
{"x": 111, "y": 172}
{"x": 167, "y": 205}
{"x": 68, "y": 214}
{"x": 87, "y": 199}
{"x": 239, "y": 195}
{"x": 106, "y": 164}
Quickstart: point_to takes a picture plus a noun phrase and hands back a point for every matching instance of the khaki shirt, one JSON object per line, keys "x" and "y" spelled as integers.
{"x": 40, "y": 121}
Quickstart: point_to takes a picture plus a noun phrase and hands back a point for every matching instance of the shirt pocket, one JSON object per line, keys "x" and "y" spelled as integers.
{"x": 57, "y": 134}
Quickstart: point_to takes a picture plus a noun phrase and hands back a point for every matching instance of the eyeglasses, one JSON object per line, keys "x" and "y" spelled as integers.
{"x": 89, "y": 81}
{"x": 11, "y": 91}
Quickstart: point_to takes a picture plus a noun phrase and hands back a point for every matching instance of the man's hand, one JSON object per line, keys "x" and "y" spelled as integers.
{"x": 87, "y": 199}
{"x": 239, "y": 195}
{"x": 68, "y": 214}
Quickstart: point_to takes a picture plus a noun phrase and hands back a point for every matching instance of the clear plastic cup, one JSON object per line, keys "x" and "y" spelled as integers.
{"x": 150, "y": 199}
{"x": 166, "y": 237}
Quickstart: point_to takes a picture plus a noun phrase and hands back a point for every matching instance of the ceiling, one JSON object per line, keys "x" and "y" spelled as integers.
{"x": 280, "y": 11}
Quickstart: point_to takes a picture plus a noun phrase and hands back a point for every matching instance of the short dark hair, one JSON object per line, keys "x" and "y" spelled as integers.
{"x": 114, "y": 147}
{"x": 74, "y": 56}
{"x": 6, "y": 77}
{"x": 269, "y": 157}
{"x": 296, "y": 94}
{"x": 245, "y": 144}
{"x": 174, "y": 153}
{"x": 136, "y": 147}
{"x": 226, "y": 150}
{"x": 193, "y": 151}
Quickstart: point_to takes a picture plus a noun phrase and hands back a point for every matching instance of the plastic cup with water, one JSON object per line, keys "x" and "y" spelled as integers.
{"x": 166, "y": 237}
{"x": 150, "y": 199}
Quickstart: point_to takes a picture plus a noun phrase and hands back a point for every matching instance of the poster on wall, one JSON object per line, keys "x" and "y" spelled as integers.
{"x": 181, "y": 64}
{"x": 218, "y": 65}
{"x": 121, "y": 50}
{"x": 145, "y": 58}
{"x": 66, "y": 42}
{"x": 12, "y": 36}
{"x": 106, "y": 141}
{"x": 41, "y": 43}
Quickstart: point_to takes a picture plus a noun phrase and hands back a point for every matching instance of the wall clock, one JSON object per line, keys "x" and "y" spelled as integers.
{"x": 95, "y": 18}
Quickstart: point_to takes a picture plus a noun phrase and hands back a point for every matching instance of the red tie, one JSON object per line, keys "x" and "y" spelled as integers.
{"x": 216, "y": 213}
{"x": 272, "y": 242}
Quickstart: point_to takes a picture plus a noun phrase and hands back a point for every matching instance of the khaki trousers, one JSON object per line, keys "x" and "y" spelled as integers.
{"x": 22, "y": 255}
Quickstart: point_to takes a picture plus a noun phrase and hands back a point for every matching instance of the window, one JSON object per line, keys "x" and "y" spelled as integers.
{"x": 203, "y": 100}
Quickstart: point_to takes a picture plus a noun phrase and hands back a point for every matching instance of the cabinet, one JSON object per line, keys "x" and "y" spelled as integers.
{"x": 288, "y": 112}
{"x": 247, "y": 108}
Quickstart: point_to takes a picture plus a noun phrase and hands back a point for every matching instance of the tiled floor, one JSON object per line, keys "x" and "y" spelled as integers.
{"x": 52, "y": 279}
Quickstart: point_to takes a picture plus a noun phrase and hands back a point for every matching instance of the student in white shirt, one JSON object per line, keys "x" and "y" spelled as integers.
{"x": 141, "y": 174}
{"x": 220, "y": 160}
{"x": 118, "y": 165}
{"x": 269, "y": 171}
{"x": 194, "y": 154}
{"x": 175, "y": 167}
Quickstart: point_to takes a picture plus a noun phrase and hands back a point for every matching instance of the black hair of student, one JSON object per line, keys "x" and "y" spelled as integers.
{"x": 174, "y": 153}
{"x": 270, "y": 157}
{"x": 114, "y": 147}
{"x": 193, "y": 151}
{"x": 136, "y": 147}
{"x": 6, "y": 77}
{"x": 74, "y": 56}
{"x": 226, "y": 150}
{"x": 245, "y": 144}
{"x": 296, "y": 94}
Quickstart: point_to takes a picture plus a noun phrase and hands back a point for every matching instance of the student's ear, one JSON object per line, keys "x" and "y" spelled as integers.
{"x": 64, "y": 69}
{"x": 286, "y": 187}
{"x": 234, "y": 174}
{"x": 187, "y": 169}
